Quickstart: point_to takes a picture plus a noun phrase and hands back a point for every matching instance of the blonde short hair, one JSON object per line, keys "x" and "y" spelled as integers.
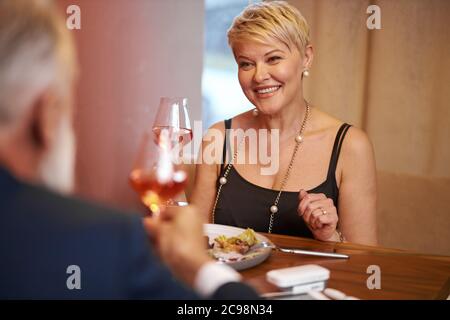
{"x": 36, "y": 52}
{"x": 271, "y": 20}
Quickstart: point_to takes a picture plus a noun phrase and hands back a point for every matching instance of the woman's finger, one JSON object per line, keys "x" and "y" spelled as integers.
{"x": 302, "y": 194}
{"x": 327, "y": 216}
{"x": 313, "y": 206}
{"x": 314, "y": 216}
{"x": 306, "y": 217}
{"x": 318, "y": 221}
{"x": 326, "y": 219}
{"x": 330, "y": 219}
{"x": 307, "y": 198}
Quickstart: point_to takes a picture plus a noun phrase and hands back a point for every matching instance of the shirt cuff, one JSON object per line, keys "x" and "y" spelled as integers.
{"x": 213, "y": 275}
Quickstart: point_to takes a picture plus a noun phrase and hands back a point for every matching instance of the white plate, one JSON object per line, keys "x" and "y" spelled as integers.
{"x": 248, "y": 260}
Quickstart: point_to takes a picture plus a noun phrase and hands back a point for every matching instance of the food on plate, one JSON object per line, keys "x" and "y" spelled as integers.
{"x": 239, "y": 244}
{"x": 238, "y": 248}
{"x": 208, "y": 245}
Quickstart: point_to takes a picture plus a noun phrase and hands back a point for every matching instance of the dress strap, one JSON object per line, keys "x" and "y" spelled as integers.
{"x": 226, "y": 142}
{"x": 337, "y": 150}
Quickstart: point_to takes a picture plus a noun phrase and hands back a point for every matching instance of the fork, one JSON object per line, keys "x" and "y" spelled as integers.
{"x": 266, "y": 244}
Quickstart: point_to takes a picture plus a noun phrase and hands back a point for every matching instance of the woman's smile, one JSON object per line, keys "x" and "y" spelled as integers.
{"x": 264, "y": 92}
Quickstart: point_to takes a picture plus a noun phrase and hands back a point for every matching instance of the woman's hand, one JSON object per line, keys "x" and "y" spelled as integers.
{"x": 319, "y": 214}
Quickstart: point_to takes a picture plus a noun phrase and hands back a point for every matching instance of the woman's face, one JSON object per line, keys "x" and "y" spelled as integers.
{"x": 270, "y": 74}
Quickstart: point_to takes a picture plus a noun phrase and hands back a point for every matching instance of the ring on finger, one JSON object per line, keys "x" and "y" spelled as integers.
{"x": 324, "y": 212}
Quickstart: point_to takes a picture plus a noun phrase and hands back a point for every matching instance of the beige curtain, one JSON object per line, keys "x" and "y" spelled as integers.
{"x": 394, "y": 84}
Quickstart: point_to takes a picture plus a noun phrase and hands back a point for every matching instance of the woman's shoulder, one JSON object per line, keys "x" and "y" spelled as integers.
{"x": 357, "y": 145}
{"x": 243, "y": 119}
{"x": 239, "y": 119}
{"x": 356, "y": 141}
{"x": 322, "y": 121}
{"x": 214, "y": 134}
{"x": 217, "y": 130}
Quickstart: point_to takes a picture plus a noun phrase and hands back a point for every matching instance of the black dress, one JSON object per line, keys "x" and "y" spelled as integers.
{"x": 246, "y": 205}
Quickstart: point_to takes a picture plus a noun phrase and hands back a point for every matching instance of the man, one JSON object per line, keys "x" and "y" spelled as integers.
{"x": 54, "y": 246}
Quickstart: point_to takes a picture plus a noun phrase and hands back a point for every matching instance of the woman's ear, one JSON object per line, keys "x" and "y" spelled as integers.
{"x": 308, "y": 57}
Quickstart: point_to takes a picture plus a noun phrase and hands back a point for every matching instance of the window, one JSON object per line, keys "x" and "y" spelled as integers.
{"x": 221, "y": 92}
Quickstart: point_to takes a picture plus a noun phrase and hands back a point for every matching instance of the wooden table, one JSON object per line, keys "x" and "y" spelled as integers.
{"x": 404, "y": 275}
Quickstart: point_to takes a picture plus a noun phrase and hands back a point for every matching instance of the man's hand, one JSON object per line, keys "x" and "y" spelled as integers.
{"x": 178, "y": 238}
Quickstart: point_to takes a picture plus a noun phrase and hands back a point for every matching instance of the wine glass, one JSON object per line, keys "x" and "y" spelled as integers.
{"x": 157, "y": 175}
{"x": 173, "y": 115}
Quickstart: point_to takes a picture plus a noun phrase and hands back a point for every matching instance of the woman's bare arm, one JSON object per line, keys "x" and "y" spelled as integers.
{"x": 358, "y": 190}
{"x": 208, "y": 169}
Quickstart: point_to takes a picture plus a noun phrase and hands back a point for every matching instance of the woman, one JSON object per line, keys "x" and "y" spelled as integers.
{"x": 325, "y": 187}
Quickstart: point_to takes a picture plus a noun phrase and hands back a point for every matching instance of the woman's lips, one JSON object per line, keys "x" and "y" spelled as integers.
{"x": 266, "y": 92}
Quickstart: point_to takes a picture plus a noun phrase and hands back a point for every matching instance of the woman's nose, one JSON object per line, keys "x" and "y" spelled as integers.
{"x": 261, "y": 74}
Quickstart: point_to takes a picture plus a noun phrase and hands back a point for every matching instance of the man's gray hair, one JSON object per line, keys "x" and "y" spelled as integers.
{"x": 34, "y": 51}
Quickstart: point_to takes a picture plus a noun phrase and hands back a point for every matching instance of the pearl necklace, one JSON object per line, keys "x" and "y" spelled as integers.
{"x": 274, "y": 208}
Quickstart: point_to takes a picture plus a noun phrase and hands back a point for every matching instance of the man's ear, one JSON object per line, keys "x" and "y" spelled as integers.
{"x": 308, "y": 57}
{"x": 44, "y": 120}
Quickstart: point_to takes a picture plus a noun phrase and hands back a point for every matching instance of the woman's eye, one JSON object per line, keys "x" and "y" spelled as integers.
{"x": 244, "y": 65}
{"x": 274, "y": 59}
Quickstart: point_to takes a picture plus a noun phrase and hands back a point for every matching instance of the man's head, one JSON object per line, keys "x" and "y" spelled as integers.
{"x": 37, "y": 70}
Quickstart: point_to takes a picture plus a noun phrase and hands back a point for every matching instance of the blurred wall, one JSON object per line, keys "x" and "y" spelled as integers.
{"x": 131, "y": 53}
{"x": 393, "y": 83}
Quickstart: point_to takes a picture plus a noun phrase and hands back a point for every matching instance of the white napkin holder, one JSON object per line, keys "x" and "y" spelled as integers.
{"x": 300, "y": 279}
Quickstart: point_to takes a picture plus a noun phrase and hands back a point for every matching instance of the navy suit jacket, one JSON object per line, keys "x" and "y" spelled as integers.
{"x": 43, "y": 233}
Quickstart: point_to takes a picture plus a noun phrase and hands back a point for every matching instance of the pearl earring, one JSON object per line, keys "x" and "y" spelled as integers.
{"x": 255, "y": 112}
{"x": 306, "y": 73}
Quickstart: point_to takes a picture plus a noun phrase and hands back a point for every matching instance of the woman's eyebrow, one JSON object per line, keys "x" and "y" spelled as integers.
{"x": 266, "y": 54}
{"x": 272, "y": 51}
{"x": 243, "y": 57}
